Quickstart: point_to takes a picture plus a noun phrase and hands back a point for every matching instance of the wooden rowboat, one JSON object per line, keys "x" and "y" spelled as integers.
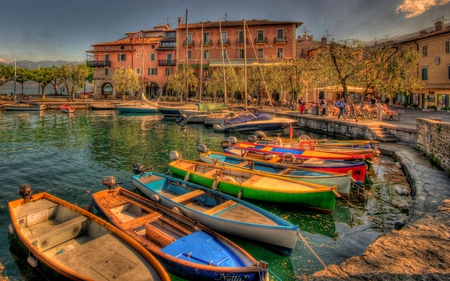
{"x": 254, "y": 185}
{"x": 185, "y": 247}
{"x": 76, "y": 244}
{"x": 67, "y": 108}
{"x": 342, "y": 180}
{"x": 219, "y": 211}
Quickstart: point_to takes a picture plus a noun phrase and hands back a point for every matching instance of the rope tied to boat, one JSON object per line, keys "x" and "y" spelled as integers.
{"x": 311, "y": 249}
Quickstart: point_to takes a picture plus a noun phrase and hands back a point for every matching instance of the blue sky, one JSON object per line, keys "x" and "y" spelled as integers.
{"x": 65, "y": 29}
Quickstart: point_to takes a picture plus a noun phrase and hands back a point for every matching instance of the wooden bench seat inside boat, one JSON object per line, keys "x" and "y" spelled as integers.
{"x": 151, "y": 178}
{"x": 163, "y": 231}
{"x": 243, "y": 164}
{"x": 285, "y": 171}
{"x": 253, "y": 180}
{"x": 212, "y": 172}
{"x": 188, "y": 196}
{"x": 56, "y": 234}
{"x": 221, "y": 207}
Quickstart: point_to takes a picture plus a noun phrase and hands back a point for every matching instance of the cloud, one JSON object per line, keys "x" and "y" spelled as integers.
{"x": 414, "y": 8}
{"x": 2, "y": 60}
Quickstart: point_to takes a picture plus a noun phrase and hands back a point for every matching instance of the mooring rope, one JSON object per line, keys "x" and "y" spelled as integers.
{"x": 311, "y": 249}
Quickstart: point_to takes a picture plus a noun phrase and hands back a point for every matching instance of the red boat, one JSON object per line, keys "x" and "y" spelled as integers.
{"x": 66, "y": 108}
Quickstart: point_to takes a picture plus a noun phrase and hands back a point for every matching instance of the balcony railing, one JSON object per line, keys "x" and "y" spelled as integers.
{"x": 280, "y": 40}
{"x": 99, "y": 63}
{"x": 241, "y": 41}
{"x": 225, "y": 42}
{"x": 167, "y": 62}
{"x": 261, "y": 40}
{"x": 207, "y": 43}
{"x": 190, "y": 43}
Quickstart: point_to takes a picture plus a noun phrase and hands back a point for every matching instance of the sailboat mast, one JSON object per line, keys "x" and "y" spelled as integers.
{"x": 142, "y": 71}
{"x": 245, "y": 67}
{"x": 186, "y": 59}
{"x": 201, "y": 66}
{"x": 223, "y": 66}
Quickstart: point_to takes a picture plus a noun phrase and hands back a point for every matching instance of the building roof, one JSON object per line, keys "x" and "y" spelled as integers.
{"x": 126, "y": 41}
{"x": 227, "y": 23}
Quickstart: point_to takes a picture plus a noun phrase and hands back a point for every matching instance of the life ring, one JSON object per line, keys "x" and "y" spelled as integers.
{"x": 289, "y": 156}
{"x": 306, "y": 145}
{"x": 304, "y": 137}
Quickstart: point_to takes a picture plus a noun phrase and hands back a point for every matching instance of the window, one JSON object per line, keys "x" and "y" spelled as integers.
{"x": 424, "y": 73}
{"x": 106, "y": 57}
{"x": 121, "y": 57}
{"x": 170, "y": 34}
{"x": 168, "y": 44}
{"x": 189, "y": 55}
{"x": 106, "y": 71}
{"x": 447, "y": 47}
{"x": 224, "y": 37}
{"x": 169, "y": 57}
{"x": 260, "y": 36}
{"x": 206, "y": 38}
{"x": 152, "y": 71}
{"x": 122, "y": 47}
{"x": 425, "y": 51}
{"x": 168, "y": 71}
{"x": 241, "y": 53}
{"x": 106, "y": 47}
{"x": 448, "y": 71}
{"x": 260, "y": 53}
{"x": 152, "y": 57}
{"x": 223, "y": 54}
{"x": 138, "y": 71}
{"x": 189, "y": 38}
{"x": 138, "y": 55}
{"x": 153, "y": 46}
{"x": 280, "y": 53}
{"x": 206, "y": 55}
{"x": 240, "y": 36}
{"x": 280, "y": 34}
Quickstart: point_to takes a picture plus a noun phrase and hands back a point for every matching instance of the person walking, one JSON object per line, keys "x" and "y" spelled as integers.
{"x": 323, "y": 105}
{"x": 341, "y": 104}
{"x": 301, "y": 105}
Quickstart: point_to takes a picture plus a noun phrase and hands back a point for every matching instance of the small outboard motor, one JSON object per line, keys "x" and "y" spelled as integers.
{"x": 109, "y": 181}
{"x": 26, "y": 192}
{"x": 252, "y": 138}
{"x": 181, "y": 118}
{"x": 174, "y": 155}
{"x": 261, "y": 135}
{"x": 202, "y": 148}
{"x": 225, "y": 144}
{"x": 138, "y": 168}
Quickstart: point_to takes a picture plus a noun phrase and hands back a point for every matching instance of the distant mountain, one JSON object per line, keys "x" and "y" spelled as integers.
{"x": 46, "y": 63}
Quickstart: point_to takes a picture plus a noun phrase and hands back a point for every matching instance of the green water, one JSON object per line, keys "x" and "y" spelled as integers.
{"x": 68, "y": 155}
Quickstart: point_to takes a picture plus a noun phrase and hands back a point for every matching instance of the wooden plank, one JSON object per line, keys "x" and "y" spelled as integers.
{"x": 188, "y": 196}
{"x": 285, "y": 171}
{"x": 220, "y": 207}
{"x": 242, "y": 164}
{"x": 253, "y": 180}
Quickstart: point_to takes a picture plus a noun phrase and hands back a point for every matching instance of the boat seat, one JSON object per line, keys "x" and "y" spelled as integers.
{"x": 242, "y": 164}
{"x": 221, "y": 207}
{"x": 253, "y": 180}
{"x": 285, "y": 172}
{"x": 57, "y": 234}
{"x": 188, "y": 196}
{"x": 213, "y": 172}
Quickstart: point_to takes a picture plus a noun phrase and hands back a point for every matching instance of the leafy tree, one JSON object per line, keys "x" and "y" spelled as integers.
{"x": 126, "y": 80}
{"x": 56, "y": 78}
{"x": 42, "y": 76}
{"x": 177, "y": 81}
{"x": 392, "y": 69}
{"x": 23, "y": 75}
{"x": 6, "y": 74}
{"x": 298, "y": 74}
{"x": 73, "y": 76}
{"x": 340, "y": 64}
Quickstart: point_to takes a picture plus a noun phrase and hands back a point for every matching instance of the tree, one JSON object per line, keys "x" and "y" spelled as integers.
{"x": 73, "y": 76}
{"x": 126, "y": 80}
{"x": 23, "y": 75}
{"x": 340, "y": 64}
{"x": 42, "y": 76}
{"x": 56, "y": 78}
{"x": 182, "y": 78}
{"x": 6, "y": 74}
{"x": 392, "y": 69}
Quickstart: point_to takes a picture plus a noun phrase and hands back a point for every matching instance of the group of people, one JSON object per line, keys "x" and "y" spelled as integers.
{"x": 323, "y": 106}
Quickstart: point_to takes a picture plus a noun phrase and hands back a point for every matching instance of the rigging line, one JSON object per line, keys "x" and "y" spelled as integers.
{"x": 311, "y": 249}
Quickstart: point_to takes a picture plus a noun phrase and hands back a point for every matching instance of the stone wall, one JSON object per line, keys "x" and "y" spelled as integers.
{"x": 433, "y": 139}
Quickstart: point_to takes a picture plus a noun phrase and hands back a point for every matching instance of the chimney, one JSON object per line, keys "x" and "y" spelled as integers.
{"x": 179, "y": 21}
{"x": 323, "y": 41}
{"x": 438, "y": 26}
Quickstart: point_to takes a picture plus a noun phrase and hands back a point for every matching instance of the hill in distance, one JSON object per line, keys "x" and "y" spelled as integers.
{"x": 36, "y": 64}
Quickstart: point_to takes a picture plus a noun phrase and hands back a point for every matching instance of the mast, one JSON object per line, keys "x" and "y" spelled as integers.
{"x": 201, "y": 66}
{"x": 245, "y": 67}
{"x": 15, "y": 77}
{"x": 142, "y": 71}
{"x": 223, "y": 66}
{"x": 186, "y": 60}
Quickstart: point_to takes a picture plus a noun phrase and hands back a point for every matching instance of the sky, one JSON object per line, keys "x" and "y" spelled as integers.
{"x": 65, "y": 29}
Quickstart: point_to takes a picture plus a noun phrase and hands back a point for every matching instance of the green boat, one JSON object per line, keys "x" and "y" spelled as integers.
{"x": 254, "y": 185}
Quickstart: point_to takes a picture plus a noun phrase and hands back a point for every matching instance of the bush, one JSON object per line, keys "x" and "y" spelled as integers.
{"x": 432, "y": 107}
{"x": 415, "y": 106}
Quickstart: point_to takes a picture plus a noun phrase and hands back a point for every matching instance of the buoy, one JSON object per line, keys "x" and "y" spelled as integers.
{"x": 11, "y": 229}
{"x": 399, "y": 224}
{"x": 176, "y": 210}
{"x": 155, "y": 198}
{"x": 87, "y": 208}
{"x": 32, "y": 261}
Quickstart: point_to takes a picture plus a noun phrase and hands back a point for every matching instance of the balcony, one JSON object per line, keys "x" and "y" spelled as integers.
{"x": 280, "y": 40}
{"x": 225, "y": 42}
{"x": 167, "y": 62}
{"x": 261, "y": 40}
{"x": 207, "y": 43}
{"x": 99, "y": 63}
{"x": 241, "y": 41}
{"x": 189, "y": 43}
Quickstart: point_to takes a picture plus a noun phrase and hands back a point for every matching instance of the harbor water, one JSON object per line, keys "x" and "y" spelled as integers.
{"x": 67, "y": 155}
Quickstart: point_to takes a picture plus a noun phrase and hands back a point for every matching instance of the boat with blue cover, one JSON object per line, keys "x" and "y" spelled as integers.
{"x": 218, "y": 211}
{"x": 185, "y": 247}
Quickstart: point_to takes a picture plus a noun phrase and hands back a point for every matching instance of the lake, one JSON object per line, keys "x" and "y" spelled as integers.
{"x": 67, "y": 155}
